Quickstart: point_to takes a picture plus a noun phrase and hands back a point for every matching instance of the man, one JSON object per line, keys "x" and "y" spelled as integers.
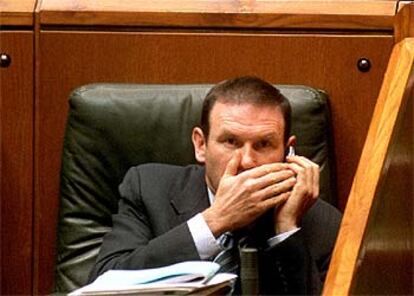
{"x": 247, "y": 187}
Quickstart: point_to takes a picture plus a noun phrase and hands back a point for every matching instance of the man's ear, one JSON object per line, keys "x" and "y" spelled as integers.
{"x": 291, "y": 141}
{"x": 199, "y": 142}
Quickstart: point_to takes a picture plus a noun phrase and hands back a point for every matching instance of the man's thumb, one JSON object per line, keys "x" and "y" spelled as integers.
{"x": 233, "y": 164}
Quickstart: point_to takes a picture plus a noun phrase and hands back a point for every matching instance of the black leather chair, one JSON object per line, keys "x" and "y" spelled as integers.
{"x": 112, "y": 127}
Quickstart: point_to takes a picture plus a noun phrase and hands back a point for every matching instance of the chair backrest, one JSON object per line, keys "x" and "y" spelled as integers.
{"x": 112, "y": 127}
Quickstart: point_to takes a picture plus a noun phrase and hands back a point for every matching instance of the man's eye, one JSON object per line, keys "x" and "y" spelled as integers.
{"x": 231, "y": 141}
{"x": 263, "y": 144}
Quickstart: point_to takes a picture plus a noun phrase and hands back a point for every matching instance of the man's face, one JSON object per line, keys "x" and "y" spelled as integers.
{"x": 256, "y": 131}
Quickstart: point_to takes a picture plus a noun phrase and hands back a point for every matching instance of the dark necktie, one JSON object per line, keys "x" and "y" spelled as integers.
{"x": 228, "y": 258}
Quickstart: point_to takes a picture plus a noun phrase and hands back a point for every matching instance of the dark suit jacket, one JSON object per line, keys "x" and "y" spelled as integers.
{"x": 150, "y": 230}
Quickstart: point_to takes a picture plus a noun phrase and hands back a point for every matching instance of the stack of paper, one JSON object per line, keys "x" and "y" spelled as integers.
{"x": 182, "y": 278}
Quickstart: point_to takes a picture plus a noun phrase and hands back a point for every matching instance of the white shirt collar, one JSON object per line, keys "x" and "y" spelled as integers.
{"x": 210, "y": 195}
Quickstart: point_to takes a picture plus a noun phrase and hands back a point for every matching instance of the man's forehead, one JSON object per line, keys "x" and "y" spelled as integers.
{"x": 246, "y": 111}
{"x": 264, "y": 121}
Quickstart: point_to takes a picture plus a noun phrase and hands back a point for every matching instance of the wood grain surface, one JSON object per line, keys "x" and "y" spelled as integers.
{"x": 17, "y": 12}
{"x": 16, "y": 200}
{"x": 366, "y": 181}
{"x": 356, "y": 15}
{"x": 385, "y": 260}
{"x": 404, "y": 23}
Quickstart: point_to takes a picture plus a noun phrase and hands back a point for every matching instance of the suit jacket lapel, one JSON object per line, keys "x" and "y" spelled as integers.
{"x": 192, "y": 198}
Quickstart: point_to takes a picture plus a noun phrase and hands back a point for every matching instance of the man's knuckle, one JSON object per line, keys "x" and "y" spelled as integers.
{"x": 249, "y": 186}
{"x": 262, "y": 207}
{"x": 302, "y": 188}
{"x": 255, "y": 196}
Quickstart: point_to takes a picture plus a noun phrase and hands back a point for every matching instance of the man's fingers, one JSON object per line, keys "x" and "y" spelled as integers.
{"x": 315, "y": 174}
{"x": 276, "y": 200}
{"x": 264, "y": 170}
{"x": 275, "y": 177}
{"x": 299, "y": 171}
{"x": 233, "y": 165}
{"x": 278, "y": 188}
{"x": 268, "y": 180}
{"x": 307, "y": 173}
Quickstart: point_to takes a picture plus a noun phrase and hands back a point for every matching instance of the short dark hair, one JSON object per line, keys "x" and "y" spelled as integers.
{"x": 246, "y": 89}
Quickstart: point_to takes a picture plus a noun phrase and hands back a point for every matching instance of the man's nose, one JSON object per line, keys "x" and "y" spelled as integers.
{"x": 248, "y": 158}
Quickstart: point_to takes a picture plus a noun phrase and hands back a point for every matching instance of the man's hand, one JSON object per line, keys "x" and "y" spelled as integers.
{"x": 242, "y": 198}
{"x": 288, "y": 215}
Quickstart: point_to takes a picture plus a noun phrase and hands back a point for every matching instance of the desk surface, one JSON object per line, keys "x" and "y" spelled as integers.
{"x": 17, "y": 12}
{"x": 264, "y": 14}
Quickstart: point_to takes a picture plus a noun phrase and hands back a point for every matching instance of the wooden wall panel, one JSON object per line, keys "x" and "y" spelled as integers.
{"x": 16, "y": 201}
{"x": 70, "y": 59}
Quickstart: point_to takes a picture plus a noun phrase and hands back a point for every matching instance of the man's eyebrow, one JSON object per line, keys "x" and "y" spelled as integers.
{"x": 272, "y": 135}
{"x": 226, "y": 133}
